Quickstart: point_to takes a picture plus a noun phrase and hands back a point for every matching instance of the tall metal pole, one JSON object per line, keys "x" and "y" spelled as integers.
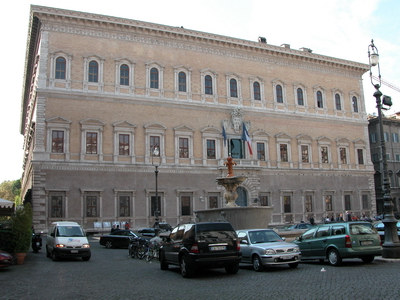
{"x": 156, "y": 152}
{"x": 391, "y": 245}
{"x": 157, "y": 212}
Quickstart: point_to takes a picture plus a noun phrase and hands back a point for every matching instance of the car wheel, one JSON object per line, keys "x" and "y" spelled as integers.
{"x": 293, "y": 265}
{"x": 85, "y": 258}
{"x": 47, "y": 252}
{"x": 334, "y": 257}
{"x": 187, "y": 270}
{"x": 368, "y": 259}
{"x": 163, "y": 262}
{"x": 109, "y": 244}
{"x": 257, "y": 265}
{"x": 54, "y": 256}
{"x": 233, "y": 269}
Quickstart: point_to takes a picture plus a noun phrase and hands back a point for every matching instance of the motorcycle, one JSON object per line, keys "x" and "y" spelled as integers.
{"x": 36, "y": 242}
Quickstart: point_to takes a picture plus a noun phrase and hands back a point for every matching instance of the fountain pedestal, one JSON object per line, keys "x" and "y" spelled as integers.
{"x": 241, "y": 217}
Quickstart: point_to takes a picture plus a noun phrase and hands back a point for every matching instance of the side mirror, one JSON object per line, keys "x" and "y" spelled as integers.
{"x": 244, "y": 242}
{"x": 283, "y": 238}
{"x": 52, "y": 234}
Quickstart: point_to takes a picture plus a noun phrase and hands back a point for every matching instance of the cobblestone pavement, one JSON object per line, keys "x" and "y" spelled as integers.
{"x": 112, "y": 274}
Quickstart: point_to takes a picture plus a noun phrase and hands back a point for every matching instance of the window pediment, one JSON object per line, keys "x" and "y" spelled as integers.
{"x": 91, "y": 121}
{"x": 58, "y": 120}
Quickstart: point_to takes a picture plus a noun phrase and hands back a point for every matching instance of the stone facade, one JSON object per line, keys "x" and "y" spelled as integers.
{"x": 102, "y": 92}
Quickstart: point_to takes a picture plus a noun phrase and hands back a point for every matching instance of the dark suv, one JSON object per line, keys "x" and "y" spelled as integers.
{"x": 201, "y": 245}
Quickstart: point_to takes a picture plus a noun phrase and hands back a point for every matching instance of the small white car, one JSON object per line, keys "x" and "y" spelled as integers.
{"x": 67, "y": 239}
{"x": 264, "y": 247}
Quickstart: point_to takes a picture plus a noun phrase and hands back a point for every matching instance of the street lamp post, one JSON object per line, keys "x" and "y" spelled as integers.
{"x": 391, "y": 245}
{"x": 156, "y": 152}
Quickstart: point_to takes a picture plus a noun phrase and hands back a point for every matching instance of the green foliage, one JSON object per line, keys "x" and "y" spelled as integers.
{"x": 10, "y": 190}
{"x": 22, "y": 229}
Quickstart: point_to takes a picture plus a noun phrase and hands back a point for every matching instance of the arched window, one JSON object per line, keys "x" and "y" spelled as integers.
{"x": 154, "y": 78}
{"x": 320, "y": 103}
{"x": 256, "y": 90}
{"x": 300, "y": 98}
{"x": 279, "y": 94}
{"x": 208, "y": 85}
{"x": 60, "y": 68}
{"x": 355, "y": 104}
{"x": 233, "y": 88}
{"x": 124, "y": 75}
{"x": 93, "y": 71}
{"x": 337, "y": 102}
{"x": 182, "y": 81}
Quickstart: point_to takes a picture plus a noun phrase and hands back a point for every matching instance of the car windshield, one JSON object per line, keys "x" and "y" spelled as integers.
{"x": 264, "y": 236}
{"x": 360, "y": 229}
{"x": 69, "y": 231}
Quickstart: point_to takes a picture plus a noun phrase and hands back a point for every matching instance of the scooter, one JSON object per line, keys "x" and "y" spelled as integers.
{"x": 36, "y": 242}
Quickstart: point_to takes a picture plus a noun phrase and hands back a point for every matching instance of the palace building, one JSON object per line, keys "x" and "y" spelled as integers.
{"x": 102, "y": 93}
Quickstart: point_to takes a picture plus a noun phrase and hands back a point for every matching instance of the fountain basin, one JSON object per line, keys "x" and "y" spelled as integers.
{"x": 240, "y": 217}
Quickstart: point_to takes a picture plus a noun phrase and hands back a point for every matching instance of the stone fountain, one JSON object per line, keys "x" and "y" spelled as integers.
{"x": 241, "y": 217}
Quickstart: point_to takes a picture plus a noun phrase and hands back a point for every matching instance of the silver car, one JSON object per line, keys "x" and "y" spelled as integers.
{"x": 264, "y": 247}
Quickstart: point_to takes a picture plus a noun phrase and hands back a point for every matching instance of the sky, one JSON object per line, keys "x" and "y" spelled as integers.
{"x": 337, "y": 28}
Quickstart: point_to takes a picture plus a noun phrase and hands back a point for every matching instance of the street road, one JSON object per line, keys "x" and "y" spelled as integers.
{"x": 112, "y": 274}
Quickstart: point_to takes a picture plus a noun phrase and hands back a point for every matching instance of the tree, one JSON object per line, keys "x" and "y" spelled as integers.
{"x": 10, "y": 189}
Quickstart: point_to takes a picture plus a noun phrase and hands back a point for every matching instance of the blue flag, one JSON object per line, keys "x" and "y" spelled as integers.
{"x": 224, "y": 134}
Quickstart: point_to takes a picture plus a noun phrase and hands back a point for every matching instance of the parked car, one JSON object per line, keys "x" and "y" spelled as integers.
{"x": 201, "y": 245}
{"x": 6, "y": 259}
{"x": 117, "y": 239}
{"x": 264, "y": 247}
{"x": 67, "y": 239}
{"x": 380, "y": 227}
{"x": 337, "y": 241}
{"x": 300, "y": 226}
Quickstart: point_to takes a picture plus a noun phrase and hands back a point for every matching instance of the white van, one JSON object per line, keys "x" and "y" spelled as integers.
{"x": 67, "y": 239}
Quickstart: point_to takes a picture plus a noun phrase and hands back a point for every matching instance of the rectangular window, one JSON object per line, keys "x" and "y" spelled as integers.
{"x": 284, "y": 152}
{"x": 287, "y": 205}
{"x": 309, "y": 206}
{"x": 154, "y": 142}
{"x": 375, "y": 157}
{"x": 91, "y": 206}
{"x": 373, "y": 137}
{"x": 397, "y": 157}
{"x": 124, "y": 206}
{"x": 360, "y": 156}
{"x": 182, "y": 81}
{"x": 261, "y": 151}
{"x": 91, "y": 142}
{"x": 395, "y": 137}
{"x": 324, "y": 155}
{"x": 57, "y": 143}
{"x": 183, "y": 147}
{"x": 213, "y": 201}
{"x": 328, "y": 202}
{"x": 347, "y": 202}
{"x": 124, "y": 144}
{"x": 56, "y": 206}
{"x": 343, "y": 157}
{"x": 211, "y": 149}
{"x": 304, "y": 154}
{"x": 185, "y": 201}
{"x": 155, "y": 206}
{"x": 236, "y": 148}
{"x": 386, "y": 136}
{"x": 263, "y": 200}
{"x": 365, "y": 202}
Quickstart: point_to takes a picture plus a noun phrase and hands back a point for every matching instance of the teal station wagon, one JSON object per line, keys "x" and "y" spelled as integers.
{"x": 336, "y": 241}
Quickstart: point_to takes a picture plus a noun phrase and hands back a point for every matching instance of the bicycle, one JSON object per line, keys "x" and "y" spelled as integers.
{"x": 152, "y": 250}
{"x": 137, "y": 247}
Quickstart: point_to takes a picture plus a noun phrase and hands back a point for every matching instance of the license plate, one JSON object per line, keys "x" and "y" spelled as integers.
{"x": 217, "y": 248}
{"x": 74, "y": 251}
{"x": 367, "y": 243}
{"x": 286, "y": 257}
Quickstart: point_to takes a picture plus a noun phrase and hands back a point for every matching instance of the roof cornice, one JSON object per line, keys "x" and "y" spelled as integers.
{"x": 179, "y": 33}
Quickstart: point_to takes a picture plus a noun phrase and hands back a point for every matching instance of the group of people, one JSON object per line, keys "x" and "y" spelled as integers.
{"x": 116, "y": 227}
{"x": 347, "y": 217}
